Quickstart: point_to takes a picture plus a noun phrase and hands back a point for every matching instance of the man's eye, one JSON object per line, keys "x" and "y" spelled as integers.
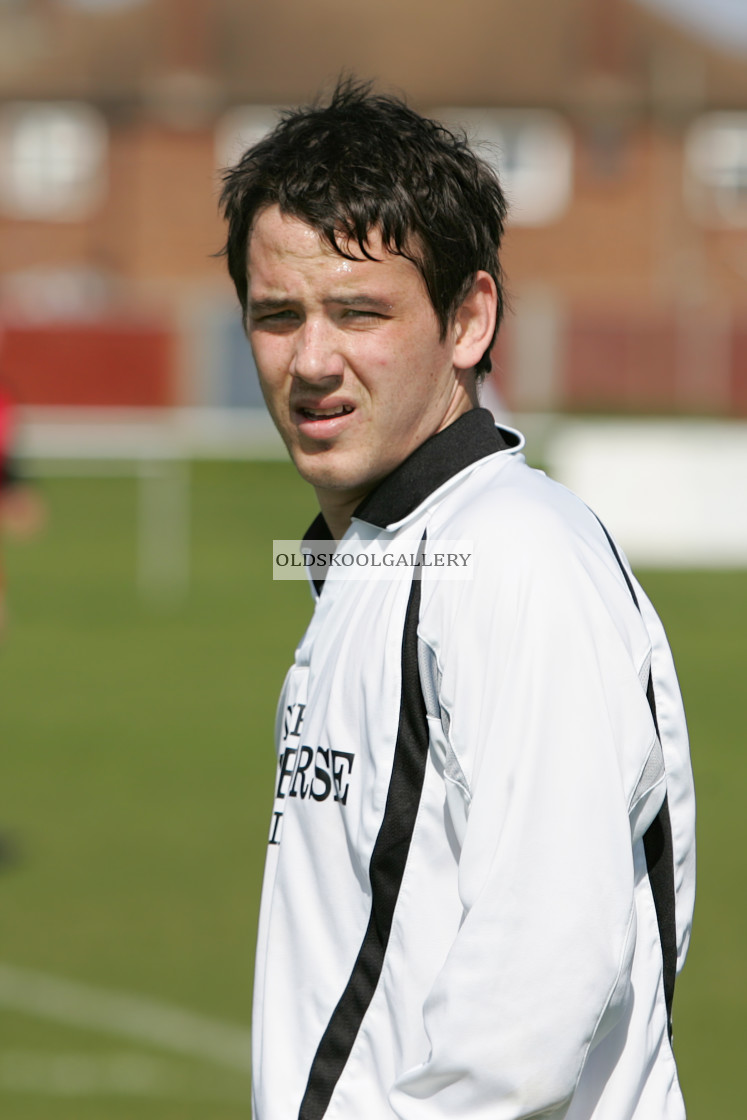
{"x": 274, "y": 318}
{"x": 360, "y": 313}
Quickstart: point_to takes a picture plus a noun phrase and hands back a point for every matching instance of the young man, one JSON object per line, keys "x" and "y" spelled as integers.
{"x": 480, "y": 875}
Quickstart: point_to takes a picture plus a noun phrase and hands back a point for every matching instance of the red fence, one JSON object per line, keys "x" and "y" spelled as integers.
{"x": 636, "y": 361}
{"x": 632, "y": 360}
{"x": 739, "y": 367}
{"x": 610, "y": 362}
{"x": 107, "y": 364}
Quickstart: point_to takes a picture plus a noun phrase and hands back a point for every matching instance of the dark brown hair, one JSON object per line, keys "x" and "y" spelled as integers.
{"x": 365, "y": 161}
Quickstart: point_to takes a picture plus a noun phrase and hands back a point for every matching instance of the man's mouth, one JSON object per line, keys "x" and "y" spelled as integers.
{"x": 325, "y": 413}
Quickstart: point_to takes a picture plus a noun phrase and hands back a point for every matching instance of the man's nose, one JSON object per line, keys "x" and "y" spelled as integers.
{"x": 316, "y": 356}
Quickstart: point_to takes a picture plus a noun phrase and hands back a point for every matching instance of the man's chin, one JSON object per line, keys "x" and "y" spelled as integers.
{"x": 328, "y": 473}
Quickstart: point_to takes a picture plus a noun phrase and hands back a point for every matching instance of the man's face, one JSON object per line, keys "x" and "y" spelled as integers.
{"x": 350, "y": 360}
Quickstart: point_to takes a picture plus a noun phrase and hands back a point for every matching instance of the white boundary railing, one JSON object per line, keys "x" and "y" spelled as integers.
{"x": 155, "y": 448}
{"x": 673, "y": 492}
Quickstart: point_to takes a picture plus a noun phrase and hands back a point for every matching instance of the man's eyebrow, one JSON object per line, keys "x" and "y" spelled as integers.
{"x": 268, "y": 304}
{"x": 372, "y": 302}
{"x": 361, "y": 301}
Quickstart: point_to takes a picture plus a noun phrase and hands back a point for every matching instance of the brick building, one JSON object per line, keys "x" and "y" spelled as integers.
{"x": 621, "y": 137}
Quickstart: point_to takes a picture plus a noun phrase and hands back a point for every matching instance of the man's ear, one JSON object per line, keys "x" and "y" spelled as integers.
{"x": 474, "y": 322}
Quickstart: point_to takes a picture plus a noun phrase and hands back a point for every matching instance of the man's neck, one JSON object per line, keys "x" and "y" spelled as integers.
{"x": 338, "y": 510}
{"x": 338, "y": 506}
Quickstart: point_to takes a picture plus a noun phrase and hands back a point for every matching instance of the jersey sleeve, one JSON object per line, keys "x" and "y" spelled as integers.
{"x": 546, "y": 732}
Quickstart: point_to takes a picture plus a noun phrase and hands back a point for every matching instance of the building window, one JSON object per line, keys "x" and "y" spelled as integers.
{"x": 52, "y": 160}
{"x": 531, "y": 150}
{"x": 716, "y": 169}
{"x": 241, "y": 127}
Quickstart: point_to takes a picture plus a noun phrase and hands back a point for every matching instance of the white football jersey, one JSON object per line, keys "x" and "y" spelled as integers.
{"x": 480, "y": 871}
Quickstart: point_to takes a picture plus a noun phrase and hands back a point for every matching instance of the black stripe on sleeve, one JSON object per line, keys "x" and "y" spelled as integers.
{"x": 623, "y": 569}
{"x": 659, "y": 849}
{"x": 657, "y": 844}
{"x": 386, "y": 871}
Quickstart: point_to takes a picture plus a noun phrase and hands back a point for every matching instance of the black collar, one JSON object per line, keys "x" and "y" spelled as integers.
{"x": 471, "y": 437}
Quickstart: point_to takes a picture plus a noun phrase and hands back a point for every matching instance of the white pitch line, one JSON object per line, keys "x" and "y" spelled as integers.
{"x": 113, "y": 1074}
{"x": 137, "y": 1017}
{"x": 79, "y": 1075}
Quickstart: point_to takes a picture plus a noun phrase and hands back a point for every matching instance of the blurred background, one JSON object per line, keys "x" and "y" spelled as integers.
{"x": 144, "y": 642}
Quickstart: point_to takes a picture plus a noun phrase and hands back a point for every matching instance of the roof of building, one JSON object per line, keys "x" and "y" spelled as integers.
{"x": 607, "y": 55}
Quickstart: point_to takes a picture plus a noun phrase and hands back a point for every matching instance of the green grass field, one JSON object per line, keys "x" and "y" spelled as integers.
{"x": 135, "y": 799}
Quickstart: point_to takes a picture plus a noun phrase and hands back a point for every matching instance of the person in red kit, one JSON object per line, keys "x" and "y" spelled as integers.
{"x": 21, "y": 509}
